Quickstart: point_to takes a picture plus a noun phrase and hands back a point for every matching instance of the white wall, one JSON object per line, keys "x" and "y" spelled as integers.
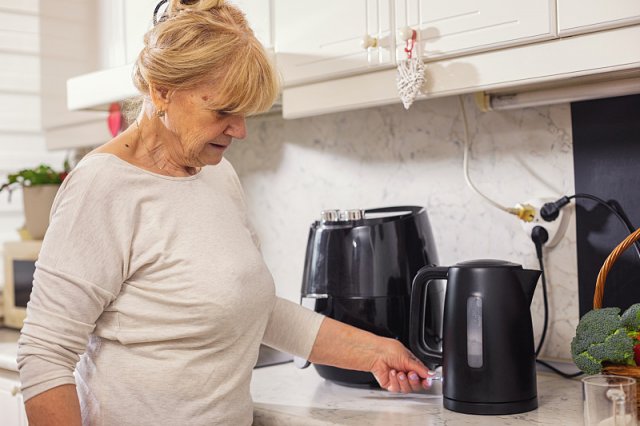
{"x": 22, "y": 141}
{"x": 291, "y": 170}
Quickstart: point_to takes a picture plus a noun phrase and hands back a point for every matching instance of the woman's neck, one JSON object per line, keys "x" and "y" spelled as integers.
{"x": 157, "y": 150}
{"x": 149, "y": 145}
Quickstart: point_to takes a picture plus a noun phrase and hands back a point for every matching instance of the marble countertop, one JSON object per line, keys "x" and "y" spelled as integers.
{"x": 286, "y": 396}
{"x": 8, "y": 349}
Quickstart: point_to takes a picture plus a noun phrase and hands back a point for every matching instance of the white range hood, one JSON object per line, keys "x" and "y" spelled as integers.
{"x": 97, "y": 90}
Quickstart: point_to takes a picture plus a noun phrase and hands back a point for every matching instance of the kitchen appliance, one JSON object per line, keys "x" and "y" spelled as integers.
{"x": 19, "y": 265}
{"x": 358, "y": 269}
{"x": 487, "y": 356}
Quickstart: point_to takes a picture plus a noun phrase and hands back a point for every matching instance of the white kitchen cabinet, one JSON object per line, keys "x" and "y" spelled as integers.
{"x": 138, "y": 18}
{"x": 260, "y": 18}
{"x": 579, "y": 16}
{"x": 450, "y": 28}
{"x": 322, "y": 40}
{"x": 12, "y": 411}
{"x": 552, "y": 62}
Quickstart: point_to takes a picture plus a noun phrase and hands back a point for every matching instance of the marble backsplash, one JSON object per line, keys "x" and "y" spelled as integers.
{"x": 293, "y": 169}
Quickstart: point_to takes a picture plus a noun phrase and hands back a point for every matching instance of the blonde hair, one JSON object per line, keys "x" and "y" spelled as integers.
{"x": 208, "y": 41}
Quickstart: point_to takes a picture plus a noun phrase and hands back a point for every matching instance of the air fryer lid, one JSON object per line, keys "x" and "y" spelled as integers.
{"x": 375, "y": 256}
{"x": 366, "y": 217}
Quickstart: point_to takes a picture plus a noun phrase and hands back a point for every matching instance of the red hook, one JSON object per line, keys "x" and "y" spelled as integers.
{"x": 410, "y": 44}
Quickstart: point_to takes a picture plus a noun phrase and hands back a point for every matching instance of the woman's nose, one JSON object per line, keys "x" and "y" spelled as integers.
{"x": 237, "y": 127}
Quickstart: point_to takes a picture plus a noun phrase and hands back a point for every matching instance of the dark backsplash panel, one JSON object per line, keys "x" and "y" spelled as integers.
{"x": 606, "y": 147}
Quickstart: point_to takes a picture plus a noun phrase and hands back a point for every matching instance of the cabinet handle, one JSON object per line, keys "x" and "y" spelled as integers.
{"x": 368, "y": 41}
{"x": 374, "y": 42}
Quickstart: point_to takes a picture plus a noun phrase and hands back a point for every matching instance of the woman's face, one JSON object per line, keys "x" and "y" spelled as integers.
{"x": 198, "y": 135}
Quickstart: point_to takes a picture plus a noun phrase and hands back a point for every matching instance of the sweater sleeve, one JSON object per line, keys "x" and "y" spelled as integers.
{"x": 292, "y": 328}
{"x": 79, "y": 272}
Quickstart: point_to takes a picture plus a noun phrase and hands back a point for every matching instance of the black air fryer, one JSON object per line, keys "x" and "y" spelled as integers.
{"x": 359, "y": 268}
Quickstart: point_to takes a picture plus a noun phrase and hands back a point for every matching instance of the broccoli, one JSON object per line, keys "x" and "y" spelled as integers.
{"x": 631, "y": 317}
{"x": 603, "y": 336}
{"x": 594, "y": 327}
{"x": 616, "y": 348}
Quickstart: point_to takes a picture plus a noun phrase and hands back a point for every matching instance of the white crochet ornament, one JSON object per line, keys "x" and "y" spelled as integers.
{"x": 409, "y": 79}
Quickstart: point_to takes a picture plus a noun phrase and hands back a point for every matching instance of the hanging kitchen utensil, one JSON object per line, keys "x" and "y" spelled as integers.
{"x": 410, "y": 75}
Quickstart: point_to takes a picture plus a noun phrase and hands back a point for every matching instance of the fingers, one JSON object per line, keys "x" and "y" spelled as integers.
{"x": 403, "y": 381}
{"x": 399, "y": 381}
{"x": 398, "y": 370}
{"x": 415, "y": 383}
{"x": 393, "y": 386}
{"x": 414, "y": 364}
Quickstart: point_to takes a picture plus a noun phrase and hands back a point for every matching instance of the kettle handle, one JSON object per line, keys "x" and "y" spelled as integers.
{"x": 417, "y": 313}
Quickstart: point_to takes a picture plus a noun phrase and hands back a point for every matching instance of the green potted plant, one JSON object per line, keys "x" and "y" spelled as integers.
{"x": 39, "y": 187}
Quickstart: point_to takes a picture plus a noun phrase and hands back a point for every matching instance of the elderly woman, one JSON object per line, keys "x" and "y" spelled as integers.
{"x": 150, "y": 283}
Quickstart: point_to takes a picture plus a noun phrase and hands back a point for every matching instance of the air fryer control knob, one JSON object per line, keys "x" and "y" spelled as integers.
{"x": 330, "y": 215}
{"x": 352, "y": 214}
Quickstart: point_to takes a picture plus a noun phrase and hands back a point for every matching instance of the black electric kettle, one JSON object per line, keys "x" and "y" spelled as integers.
{"x": 488, "y": 358}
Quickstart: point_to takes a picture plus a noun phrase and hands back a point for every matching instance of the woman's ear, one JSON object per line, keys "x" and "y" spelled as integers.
{"x": 160, "y": 97}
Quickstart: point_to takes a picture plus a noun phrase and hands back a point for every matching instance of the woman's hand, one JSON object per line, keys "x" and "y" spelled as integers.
{"x": 398, "y": 370}
{"x": 394, "y": 367}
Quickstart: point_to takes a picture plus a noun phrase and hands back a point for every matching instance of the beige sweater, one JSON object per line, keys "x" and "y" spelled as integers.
{"x": 156, "y": 285}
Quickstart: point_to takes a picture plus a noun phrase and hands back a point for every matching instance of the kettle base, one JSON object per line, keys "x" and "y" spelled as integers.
{"x": 495, "y": 408}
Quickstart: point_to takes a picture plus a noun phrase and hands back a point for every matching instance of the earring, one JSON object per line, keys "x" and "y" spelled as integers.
{"x": 160, "y": 113}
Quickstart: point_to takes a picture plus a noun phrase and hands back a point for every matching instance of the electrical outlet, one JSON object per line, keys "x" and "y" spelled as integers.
{"x": 556, "y": 228}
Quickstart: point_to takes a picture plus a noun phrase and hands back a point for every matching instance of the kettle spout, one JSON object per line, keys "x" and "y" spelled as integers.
{"x": 528, "y": 280}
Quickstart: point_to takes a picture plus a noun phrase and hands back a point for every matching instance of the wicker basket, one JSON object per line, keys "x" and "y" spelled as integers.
{"x": 617, "y": 370}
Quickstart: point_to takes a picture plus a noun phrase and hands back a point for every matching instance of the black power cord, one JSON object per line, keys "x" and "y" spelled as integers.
{"x": 550, "y": 212}
{"x": 540, "y": 236}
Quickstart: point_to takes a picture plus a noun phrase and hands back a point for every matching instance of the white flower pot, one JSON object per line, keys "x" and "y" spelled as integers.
{"x": 38, "y": 200}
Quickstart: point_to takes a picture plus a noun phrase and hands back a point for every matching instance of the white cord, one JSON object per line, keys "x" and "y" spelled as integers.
{"x": 465, "y": 162}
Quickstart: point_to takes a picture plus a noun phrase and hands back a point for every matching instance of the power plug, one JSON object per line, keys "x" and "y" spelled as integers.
{"x": 556, "y": 229}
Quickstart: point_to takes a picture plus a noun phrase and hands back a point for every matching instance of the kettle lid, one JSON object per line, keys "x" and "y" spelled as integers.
{"x": 487, "y": 263}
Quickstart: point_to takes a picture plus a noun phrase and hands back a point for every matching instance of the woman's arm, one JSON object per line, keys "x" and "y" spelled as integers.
{"x": 58, "y": 406}
{"x": 344, "y": 346}
{"x": 80, "y": 270}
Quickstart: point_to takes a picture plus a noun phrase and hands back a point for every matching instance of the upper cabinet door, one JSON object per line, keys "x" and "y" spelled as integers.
{"x": 259, "y": 16}
{"x": 138, "y": 19}
{"x": 324, "y": 39}
{"x": 449, "y": 28}
{"x": 576, "y": 16}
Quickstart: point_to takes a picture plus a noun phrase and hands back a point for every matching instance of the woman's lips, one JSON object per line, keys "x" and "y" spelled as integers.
{"x": 217, "y": 146}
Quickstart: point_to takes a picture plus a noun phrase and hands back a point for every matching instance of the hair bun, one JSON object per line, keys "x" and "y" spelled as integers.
{"x": 202, "y": 4}
{"x": 176, "y": 6}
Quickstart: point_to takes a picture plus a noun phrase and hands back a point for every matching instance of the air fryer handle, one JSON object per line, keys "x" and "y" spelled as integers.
{"x": 417, "y": 313}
